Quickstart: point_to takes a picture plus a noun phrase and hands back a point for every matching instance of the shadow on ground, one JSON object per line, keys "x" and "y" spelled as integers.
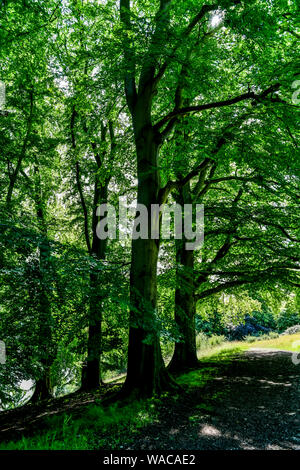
{"x": 251, "y": 403}
{"x": 236, "y": 401}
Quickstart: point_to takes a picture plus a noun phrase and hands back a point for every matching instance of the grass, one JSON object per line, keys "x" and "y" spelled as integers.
{"x": 95, "y": 428}
{"x": 226, "y": 349}
{"x": 114, "y": 427}
{"x": 285, "y": 343}
{"x": 197, "y": 378}
{"x": 221, "y": 351}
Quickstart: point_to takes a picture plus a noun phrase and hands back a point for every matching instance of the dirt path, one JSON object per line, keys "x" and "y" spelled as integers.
{"x": 252, "y": 402}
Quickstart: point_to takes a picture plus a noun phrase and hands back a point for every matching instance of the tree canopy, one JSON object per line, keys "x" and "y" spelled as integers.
{"x": 162, "y": 102}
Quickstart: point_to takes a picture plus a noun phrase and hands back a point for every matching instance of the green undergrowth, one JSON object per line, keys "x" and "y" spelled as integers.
{"x": 197, "y": 378}
{"x": 211, "y": 362}
{"x": 223, "y": 353}
{"x": 112, "y": 427}
{"x": 116, "y": 427}
{"x": 95, "y": 428}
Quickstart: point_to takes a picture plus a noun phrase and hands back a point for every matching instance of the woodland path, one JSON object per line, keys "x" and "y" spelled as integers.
{"x": 251, "y": 401}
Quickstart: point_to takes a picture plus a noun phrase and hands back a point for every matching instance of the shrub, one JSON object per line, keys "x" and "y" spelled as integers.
{"x": 201, "y": 341}
{"x": 251, "y": 339}
{"x": 264, "y": 318}
{"x": 286, "y": 320}
{"x": 273, "y": 335}
{"x": 205, "y": 342}
{"x": 212, "y": 325}
{"x": 215, "y": 340}
{"x": 292, "y": 330}
{"x": 250, "y": 327}
{"x": 261, "y": 337}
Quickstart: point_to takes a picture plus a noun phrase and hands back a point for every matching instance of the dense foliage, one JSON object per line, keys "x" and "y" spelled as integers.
{"x": 161, "y": 102}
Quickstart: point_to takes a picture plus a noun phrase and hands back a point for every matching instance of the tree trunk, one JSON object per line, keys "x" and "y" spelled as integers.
{"x": 43, "y": 387}
{"x": 146, "y": 373}
{"x": 185, "y": 353}
{"x": 91, "y": 372}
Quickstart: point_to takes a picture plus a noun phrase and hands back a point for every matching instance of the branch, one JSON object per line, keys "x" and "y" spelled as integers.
{"x": 79, "y": 187}
{"x": 22, "y": 154}
{"x": 279, "y": 227}
{"x": 239, "y": 282}
{"x": 178, "y": 95}
{"x": 199, "y": 186}
{"x": 162, "y": 20}
{"x": 227, "y": 136}
{"x": 294, "y": 284}
{"x": 221, "y": 287}
{"x": 296, "y": 35}
{"x": 130, "y": 85}
{"x": 225, "y": 248}
{"x": 217, "y": 104}
{"x": 248, "y": 271}
{"x": 171, "y": 185}
{"x": 204, "y": 10}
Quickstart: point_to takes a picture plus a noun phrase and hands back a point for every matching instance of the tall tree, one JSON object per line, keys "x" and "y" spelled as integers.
{"x": 144, "y": 73}
{"x": 230, "y": 251}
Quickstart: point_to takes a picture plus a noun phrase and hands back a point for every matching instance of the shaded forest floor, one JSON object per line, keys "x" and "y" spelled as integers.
{"x": 251, "y": 403}
{"x": 244, "y": 400}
